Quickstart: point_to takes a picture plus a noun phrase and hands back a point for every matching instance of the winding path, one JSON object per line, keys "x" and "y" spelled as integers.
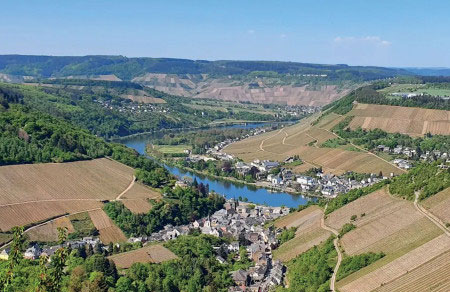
{"x": 127, "y": 189}
{"x": 336, "y": 246}
{"x": 429, "y": 215}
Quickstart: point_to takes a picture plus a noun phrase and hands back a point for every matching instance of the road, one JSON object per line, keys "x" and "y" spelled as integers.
{"x": 336, "y": 246}
{"x": 429, "y": 215}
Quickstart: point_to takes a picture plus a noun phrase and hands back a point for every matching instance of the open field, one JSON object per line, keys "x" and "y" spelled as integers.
{"x": 303, "y": 139}
{"x": 406, "y": 120}
{"x": 400, "y": 266}
{"x": 49, "y": 231}
{"x": 172, "y": 149}
{"x": 148, "y": 254}
{"x": 35, "y": 192}
{"x": 109, "y": 232}
{"x": 439, "y": 205}
{"x": 416, "y": 88}
{"x": 309, "y": 233}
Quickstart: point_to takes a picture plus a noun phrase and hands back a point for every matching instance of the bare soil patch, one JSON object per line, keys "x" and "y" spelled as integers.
{"x": 49, "y": 231}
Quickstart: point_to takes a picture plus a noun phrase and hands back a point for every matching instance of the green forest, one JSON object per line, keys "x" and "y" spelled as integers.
{"x": 181, "y": 206}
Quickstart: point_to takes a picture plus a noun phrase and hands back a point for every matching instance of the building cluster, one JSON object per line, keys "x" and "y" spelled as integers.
{"x": 407, "y": 94}
{"x": 301, "y": 110}
{"x": 410, "y": 153}
{"x": 245, "y": 222}
{"x": 126, "y": 107}
{"x": 34, "y": 251}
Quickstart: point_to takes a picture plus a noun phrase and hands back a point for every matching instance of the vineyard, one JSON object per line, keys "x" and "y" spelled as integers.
{"x": 304, "y": 140}
{"x": 109, "y": 232}
{"x": 396, "y": 119}
{"x": 308, "y": 234}
{"x": 148, "y": 254}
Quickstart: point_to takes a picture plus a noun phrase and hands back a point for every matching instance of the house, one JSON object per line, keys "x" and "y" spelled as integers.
{"x": 287, "y": 174}
{"x": 221, "y": 260}
{"x": 305, "y": 180}
{"x": 277, "y": 180}
{"x": 33, "y": 253}
{"x": 233, "y": 246}
{"x": 240, "y": 277}
{"x": 4, "y": 255}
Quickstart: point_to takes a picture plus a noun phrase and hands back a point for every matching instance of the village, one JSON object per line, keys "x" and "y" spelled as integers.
{"x": 240, "y": 221}
{"x": 243, "y": 222}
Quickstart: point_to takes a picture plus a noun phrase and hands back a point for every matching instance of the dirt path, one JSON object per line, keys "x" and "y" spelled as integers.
{"x": 429, "y": 215}
{"x": 262, "y": 142}
{"x": 284, "y": 139}
{"x": 364, "y": 150}
{"x": 127, "y": 189}
{"x": 336, "y": 246}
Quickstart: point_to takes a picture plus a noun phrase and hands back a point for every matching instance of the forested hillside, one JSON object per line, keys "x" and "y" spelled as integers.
{"x": 128, "y": 68}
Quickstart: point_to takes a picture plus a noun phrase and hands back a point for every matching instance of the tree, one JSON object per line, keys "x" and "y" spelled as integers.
{"x": 15, "y": 256}
{"x": 125, "y": 284}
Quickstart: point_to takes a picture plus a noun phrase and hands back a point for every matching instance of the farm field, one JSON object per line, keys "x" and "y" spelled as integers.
{"x": 308, "y": 234}
{"x": 434, "y": 273}
{"x": 37, "y": 192}
{"x": 148, "y": 254}
{"x": 406, "y": 120}
{"x": 400, "y": 266}
{"x": 136, "y": 198}
{"x": 49, "y": 232}
{"x": 172, "y": 149}
{"x": 109, "y": 232}
{"x": 439, "y": 205}
{"x": 303, "y": 139}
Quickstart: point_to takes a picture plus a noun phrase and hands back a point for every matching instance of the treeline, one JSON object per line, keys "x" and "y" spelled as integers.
{"x": 90, "y": 82}
{"x": 351, "y": 264}
{"x": 312, "y": 270}
{"x": 128, "y": 68}
{"x": 182, "y": 205}
{"x": 423, "y": 101}
{"x": 426, "y": 178}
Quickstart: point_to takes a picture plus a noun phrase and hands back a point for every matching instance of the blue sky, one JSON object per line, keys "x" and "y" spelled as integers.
{"x": 376, "y": 32}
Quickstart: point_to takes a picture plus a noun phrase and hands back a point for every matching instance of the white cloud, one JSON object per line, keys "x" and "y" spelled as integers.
{"x": 370, "y": 40}
{"x": 250, "y": 31}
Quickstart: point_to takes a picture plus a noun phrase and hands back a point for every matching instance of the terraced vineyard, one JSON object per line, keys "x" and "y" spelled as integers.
{"x": 304, "y": 139}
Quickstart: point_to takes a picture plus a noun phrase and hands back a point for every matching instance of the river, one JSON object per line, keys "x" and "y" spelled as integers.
{"x": 226, "y": 188}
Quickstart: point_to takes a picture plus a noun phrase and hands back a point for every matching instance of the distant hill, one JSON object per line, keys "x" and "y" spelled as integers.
{"x": 243, "y": 81}
{"x": 429, "y": 71}
{"x": 128, "y": 68}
